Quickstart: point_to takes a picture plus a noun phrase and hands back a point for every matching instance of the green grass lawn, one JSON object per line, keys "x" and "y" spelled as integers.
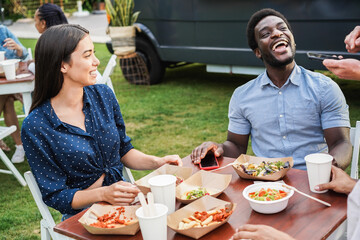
{"x": 189, "y": 107}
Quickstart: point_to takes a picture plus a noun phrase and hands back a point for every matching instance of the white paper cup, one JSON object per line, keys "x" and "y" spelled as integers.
{"x": 9, "y": 69}
{"x": 153, "y": 227}
{"x": 318, "y": 168}
{"x": 2, "y": 56}
{"x": 163, "y": 189}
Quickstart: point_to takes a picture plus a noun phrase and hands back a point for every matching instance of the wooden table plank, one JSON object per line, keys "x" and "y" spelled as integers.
{"x": 302, "y": 219}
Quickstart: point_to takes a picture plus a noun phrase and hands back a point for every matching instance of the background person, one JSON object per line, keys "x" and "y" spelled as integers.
{"x": 75, "y": 129}
{"x": 287, "y": 110}
{"x": 347, "y": 68}
{"x": 13, "y": 50}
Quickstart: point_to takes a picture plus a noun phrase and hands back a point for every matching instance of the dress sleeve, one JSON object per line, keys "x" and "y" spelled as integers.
{"x": 50, "y": 177}
{"x": 12, "y": 36}
{"x": 125, "y": 141}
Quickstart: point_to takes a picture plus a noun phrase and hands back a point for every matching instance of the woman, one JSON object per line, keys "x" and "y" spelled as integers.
{"x": 48, "y": 15}
{"x": 74, "y": 136}
{"x": 13, "y": 50}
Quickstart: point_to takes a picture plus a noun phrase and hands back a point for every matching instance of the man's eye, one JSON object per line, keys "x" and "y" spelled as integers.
{"x": 264, "y": 35}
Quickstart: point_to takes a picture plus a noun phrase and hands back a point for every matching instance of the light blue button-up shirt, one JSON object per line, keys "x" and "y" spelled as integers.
{"x": 10, "y": 54}
{"x": 288, "y": 121}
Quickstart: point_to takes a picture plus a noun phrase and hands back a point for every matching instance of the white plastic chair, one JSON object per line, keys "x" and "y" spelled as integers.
{"x": 106, "y": 79}
{"x": 355, "y": 141}
{"x": 47, "y": 222}
{"x": 29, "y": 57}
{"x": 4, "y": 132}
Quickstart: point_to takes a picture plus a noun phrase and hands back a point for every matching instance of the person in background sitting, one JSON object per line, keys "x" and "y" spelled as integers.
{"x": 347, "y": 68}
{"x": 13, "y": 50}
{"x": 49, "y": 15}
{"x": 75, "y": 129}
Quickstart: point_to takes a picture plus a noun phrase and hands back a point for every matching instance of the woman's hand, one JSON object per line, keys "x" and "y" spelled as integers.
{"x": 259, "y": 232}
{"x": 170, "y": 159}
{"x": 12, "y": 45}
{"x": 352, "y": 40}
{"x": 120, "y": 193}
{"x": 346, "y": 68}
{"x": 340, "y": 182}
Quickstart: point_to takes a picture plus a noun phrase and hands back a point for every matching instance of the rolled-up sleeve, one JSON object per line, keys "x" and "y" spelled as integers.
{"x": 334, "y": 110}
{"x": 50, "y": 177}
{"x": 237, "y": 122}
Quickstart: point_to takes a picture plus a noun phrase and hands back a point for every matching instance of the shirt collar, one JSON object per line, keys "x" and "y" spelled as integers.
{"x": 294, "y": 78}
{"x": 86, "y": 97}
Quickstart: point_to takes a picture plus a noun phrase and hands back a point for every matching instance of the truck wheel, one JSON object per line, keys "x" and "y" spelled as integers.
{"x": 153, "y": 62}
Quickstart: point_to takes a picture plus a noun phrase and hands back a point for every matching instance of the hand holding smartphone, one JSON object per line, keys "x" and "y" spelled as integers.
{"x": 209, "y": 162}
{"x": 323, "y": 56}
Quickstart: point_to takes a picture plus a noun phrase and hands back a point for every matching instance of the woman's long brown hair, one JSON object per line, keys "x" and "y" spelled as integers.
{"x": 54, "y": 47}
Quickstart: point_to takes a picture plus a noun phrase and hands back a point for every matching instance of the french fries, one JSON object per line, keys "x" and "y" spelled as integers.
{"x": 204, "y": 218}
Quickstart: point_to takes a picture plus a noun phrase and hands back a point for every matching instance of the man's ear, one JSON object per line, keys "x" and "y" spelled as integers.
{"x": 64, "y": 67}
{"x": 257, "y": 53}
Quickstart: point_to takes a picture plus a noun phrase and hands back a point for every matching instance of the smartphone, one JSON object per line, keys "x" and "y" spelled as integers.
{"x": 209, "y": 161}
{"x": 321, "y": 56}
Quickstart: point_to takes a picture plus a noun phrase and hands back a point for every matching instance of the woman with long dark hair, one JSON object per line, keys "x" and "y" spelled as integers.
{"x": 74, "y": 136}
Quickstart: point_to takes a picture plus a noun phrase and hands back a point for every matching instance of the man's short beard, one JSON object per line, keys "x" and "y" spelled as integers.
{"x": 272, "y": 61}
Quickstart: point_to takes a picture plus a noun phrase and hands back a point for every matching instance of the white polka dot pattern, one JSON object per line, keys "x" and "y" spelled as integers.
{"x": 64, "y": 158}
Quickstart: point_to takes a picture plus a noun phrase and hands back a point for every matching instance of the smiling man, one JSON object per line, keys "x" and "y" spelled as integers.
{"x": 288, "y": 111}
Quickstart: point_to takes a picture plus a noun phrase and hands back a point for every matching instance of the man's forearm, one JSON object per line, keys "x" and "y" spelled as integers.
{"x": 342, "y": 154}
{"x": 231, "y": 150}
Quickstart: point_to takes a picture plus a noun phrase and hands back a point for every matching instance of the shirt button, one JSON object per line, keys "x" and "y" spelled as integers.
{"x": 106, "y": 170}
{"x": 281, "y": 115}
{"x": 284, "y": 137}
{"x": 280, "y": 93}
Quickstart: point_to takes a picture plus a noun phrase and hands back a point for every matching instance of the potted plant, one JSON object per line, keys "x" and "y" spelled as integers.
{"x": 121, "y": 28}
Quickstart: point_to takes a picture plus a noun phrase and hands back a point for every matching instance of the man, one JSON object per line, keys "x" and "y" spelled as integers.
{"x": 287, "y": 110}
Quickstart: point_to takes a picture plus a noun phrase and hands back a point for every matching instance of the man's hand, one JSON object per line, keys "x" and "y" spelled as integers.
{"x": 340, "y": 182}
{"x": 200, "y": 152}
{"x": 259, "y": 232}
{"x": 345, "y": 68}
{"x": 352, "y": 40}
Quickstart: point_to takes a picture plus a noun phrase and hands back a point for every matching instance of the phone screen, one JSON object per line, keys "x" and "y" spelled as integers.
{"x": 209, "y": 161}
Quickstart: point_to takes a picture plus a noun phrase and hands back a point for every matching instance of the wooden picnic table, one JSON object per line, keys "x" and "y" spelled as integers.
{"x": 302, "y": 219}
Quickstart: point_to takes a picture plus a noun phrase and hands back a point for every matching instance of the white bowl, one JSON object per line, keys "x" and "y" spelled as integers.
{"x": 267, "y": 207}
{"x": 16, "y": 61}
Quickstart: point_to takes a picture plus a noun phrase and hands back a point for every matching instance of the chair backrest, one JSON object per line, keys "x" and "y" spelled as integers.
{"x": 44, "y": 210}
{"x": 30, "y": 56}
{"x": 108, "y": 71}
{"x": 355, "y": 141}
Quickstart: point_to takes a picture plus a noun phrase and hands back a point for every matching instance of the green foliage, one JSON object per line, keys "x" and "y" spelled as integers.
{"x": 121, "y": 12}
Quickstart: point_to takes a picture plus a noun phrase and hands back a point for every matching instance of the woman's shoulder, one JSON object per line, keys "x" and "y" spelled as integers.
{"x": 37, "y": 117}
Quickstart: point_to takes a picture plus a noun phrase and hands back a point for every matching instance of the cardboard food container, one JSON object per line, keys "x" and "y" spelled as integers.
{"x": 202, "y": 204}
{"x": 257, "y": 160}
{"x": 214, "y": 183}
{"x": 181, "y": 172}
{"x": 99, "y": 210}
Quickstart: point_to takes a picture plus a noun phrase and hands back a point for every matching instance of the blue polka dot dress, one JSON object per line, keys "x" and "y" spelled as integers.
{"x": 65, "y": 158}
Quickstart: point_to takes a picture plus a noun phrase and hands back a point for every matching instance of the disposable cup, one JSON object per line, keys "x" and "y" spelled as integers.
{"x": 154, "y": 227}
{"x": 2, "y": 56}
{"x": 9, "y": 69}
{"x": 318, "y": 168}
{"x": 163, "y": 189}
